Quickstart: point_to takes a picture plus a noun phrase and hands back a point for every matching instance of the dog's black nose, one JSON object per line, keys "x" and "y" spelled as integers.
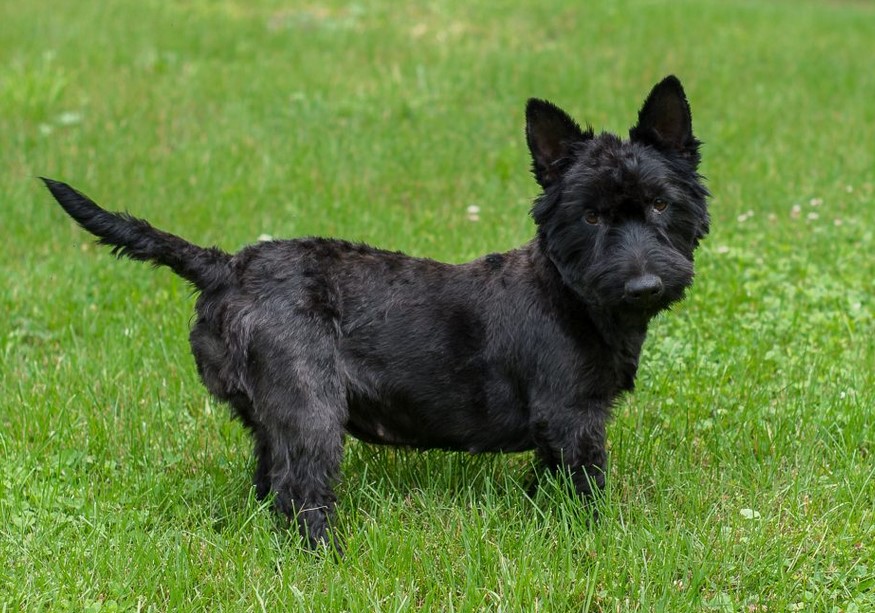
{"x": 644, "y": 289}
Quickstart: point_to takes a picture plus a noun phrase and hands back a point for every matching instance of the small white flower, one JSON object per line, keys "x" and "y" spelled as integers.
{"x": 265, "y": 237}
{"x": 69, "y": 118}
{"x": 750, "y": 514}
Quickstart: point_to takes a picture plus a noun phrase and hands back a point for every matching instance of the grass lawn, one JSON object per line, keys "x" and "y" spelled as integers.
{"x": 742, "y": 474}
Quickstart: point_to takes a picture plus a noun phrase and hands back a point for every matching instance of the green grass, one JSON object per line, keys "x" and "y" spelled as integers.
{"x": 742, "y": 475}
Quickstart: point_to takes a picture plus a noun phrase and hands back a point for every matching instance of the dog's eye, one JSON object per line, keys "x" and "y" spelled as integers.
{"x": 591, "y": 217}
{"x": 660, "y": 204}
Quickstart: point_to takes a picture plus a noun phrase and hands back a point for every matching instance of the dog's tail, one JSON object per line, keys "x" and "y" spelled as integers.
{"x": 205, "y": 268}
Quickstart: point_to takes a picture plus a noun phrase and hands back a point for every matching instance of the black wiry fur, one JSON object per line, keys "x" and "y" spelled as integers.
{"x": 310, "y": 339}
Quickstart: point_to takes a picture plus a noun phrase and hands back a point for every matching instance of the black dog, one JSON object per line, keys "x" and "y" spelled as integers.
{"x": 310, "y": 339}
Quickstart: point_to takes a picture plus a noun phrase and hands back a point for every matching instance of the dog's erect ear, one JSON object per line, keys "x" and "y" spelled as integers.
{"x": 665, "y": 121}
{"x": 550, "y": 133}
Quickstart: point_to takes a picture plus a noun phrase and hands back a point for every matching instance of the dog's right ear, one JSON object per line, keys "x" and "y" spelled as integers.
{"x": 551, "y": 133}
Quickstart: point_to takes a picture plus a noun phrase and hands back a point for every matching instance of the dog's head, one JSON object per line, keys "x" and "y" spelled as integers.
{"x": 620, "y": 219}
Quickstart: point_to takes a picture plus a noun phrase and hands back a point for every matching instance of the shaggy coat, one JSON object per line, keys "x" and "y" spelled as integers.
{"x": 312, "y": 339}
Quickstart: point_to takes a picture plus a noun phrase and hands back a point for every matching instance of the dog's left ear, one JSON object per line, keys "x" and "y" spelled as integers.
{"x": 665, "y": 120}
{"x": 551, "y": 134}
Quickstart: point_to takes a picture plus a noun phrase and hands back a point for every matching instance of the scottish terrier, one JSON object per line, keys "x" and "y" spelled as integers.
{"x": 311, "y": 339}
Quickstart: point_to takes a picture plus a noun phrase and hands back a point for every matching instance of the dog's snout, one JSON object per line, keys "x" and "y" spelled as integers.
{"x": 644, "y": 289}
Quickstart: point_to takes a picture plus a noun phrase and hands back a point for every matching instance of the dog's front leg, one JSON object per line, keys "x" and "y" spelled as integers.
{"x": 573, "y": 439}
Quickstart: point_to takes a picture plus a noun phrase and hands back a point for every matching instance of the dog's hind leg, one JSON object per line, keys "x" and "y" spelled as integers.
{"x": 299, "y": 443}
{"x": 262, "y": 453}
{"x": 305, "y": 461}
{"x": 263, "y": 465}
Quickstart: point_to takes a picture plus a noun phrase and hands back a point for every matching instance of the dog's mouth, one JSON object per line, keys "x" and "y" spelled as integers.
{"x": 629, "y": 286}
{"x": 638, "y": 297}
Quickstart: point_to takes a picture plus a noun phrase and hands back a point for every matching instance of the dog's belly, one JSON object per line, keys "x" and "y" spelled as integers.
{"x": 431, "y": 427}
{"x": 420, "y": 372}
